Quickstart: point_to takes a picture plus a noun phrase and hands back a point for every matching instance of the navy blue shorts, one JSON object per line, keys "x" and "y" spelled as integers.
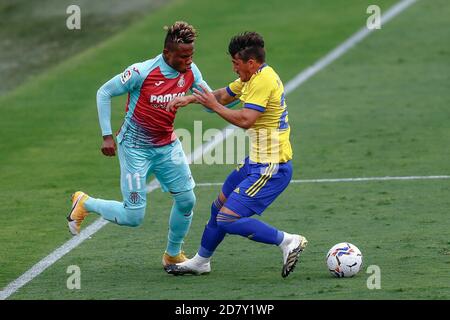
{"x": 252, "y": 187}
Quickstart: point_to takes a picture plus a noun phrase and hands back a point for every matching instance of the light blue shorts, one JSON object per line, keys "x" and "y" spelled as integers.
{"x": 168, "y": 163}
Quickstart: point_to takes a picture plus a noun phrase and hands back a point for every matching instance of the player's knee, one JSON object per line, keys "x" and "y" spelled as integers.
{"x": 222, "y": 198}
{"x": 185, "y": 201}
{"x": 217, "y": 204}
{"x": 224, "y": 221}
{"x": 135, "y": 217}
{"x": 222, "y": 225}
{"x": 215, "y": 208}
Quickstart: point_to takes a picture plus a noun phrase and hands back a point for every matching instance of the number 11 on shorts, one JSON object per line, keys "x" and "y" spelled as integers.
{"x": 130, "y": 181}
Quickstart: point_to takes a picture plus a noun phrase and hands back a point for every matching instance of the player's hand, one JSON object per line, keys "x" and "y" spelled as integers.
{"x": 206, "y": 98}
{"x": 176, "y": 103}
{"x": 109, "y": 146}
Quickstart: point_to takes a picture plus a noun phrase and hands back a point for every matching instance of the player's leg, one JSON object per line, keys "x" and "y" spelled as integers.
{"x": 172, "y": 171}
{"x": 131, "y": 211}
{"x": 134, "y": 165}
{"x": 230, "y": 222}
{"x": 291, "y": 245}
{"x": 212, "y": 236}
{"x": 252, "y": 196}
{"x": 179, "y": 220}
{"x": 255, "y": 195}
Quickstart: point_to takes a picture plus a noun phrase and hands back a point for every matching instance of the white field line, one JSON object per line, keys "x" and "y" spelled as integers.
{"x": 345, "y": 46}
{"x": 290, "y": 86}
{"x": 364, "y": 179}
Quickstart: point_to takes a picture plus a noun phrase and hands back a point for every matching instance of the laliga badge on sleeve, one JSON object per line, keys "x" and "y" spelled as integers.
{"x": 125, "y": 76}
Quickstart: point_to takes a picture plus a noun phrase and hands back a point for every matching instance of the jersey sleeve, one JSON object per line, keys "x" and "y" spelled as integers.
{"x": 198, "y": 79}
{"x": 258, "y": 95}
{"x": 127, "y": 81}
{"x": 131, "y": 79}
{"x": 234, "y": 89}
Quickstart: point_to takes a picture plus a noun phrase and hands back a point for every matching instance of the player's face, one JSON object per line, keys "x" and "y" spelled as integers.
{"x": 244, "y": 69}
{"x": 179, "y": 56}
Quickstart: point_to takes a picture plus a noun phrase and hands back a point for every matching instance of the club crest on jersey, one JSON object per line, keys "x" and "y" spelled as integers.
{"x": 125, "y": 76}
{"x": 181, "y": 82}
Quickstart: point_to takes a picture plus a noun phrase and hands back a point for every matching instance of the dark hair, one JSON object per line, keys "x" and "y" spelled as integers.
{"x": 179, "y": 32}
{"x": 247, "y": 45}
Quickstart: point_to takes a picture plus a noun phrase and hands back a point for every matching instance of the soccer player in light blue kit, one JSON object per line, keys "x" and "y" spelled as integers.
{"x": 146, "y": 140}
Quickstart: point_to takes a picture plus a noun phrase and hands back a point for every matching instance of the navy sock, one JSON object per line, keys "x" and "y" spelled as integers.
{"x": 212, "y": 234}
{"x": 253, "y": 229}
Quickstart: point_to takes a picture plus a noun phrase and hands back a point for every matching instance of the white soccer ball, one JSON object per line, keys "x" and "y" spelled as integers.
{"x": 344, "y": 260}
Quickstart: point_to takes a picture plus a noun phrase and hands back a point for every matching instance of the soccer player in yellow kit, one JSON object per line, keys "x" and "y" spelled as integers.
{"x": 255, "y": 184}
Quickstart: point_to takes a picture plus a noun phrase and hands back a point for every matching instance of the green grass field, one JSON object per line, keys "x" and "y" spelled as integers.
{"x": 34, "y": 36}
{"x": 380, "y": 110}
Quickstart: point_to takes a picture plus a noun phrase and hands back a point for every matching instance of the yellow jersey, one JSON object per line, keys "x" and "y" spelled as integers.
{"x": 269, "y": 135}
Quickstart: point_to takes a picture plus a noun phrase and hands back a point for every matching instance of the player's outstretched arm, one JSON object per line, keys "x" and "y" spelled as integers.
{"x": 243, "y": 118}
{"x": 221, "y": 95}
{"x": 180, "y": 102}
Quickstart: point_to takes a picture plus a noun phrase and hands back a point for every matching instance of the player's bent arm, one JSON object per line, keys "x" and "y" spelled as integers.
{"x": 180, "y": 102}
{"x": 223, "y": 97}
{"x": 112, "y": 88}
{"x": 243, "y": 118}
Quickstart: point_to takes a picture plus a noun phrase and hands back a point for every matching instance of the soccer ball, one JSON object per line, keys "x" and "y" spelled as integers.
{"x": 344, "y": 260}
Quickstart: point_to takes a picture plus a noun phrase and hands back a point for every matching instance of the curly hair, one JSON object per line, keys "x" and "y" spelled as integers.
{"x": 179, "y": 32}
{"x": 247, "y": 45}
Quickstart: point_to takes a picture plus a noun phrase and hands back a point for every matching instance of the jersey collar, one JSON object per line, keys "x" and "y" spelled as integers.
{"x": 262, "y": 66}
{"x": 259, "y": 70}
{"x": 167, "y": 70}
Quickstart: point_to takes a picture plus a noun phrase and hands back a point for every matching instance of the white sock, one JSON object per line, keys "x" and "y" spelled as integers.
{"x": 286, "y": 239}
{"x": 200, "y": 260}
